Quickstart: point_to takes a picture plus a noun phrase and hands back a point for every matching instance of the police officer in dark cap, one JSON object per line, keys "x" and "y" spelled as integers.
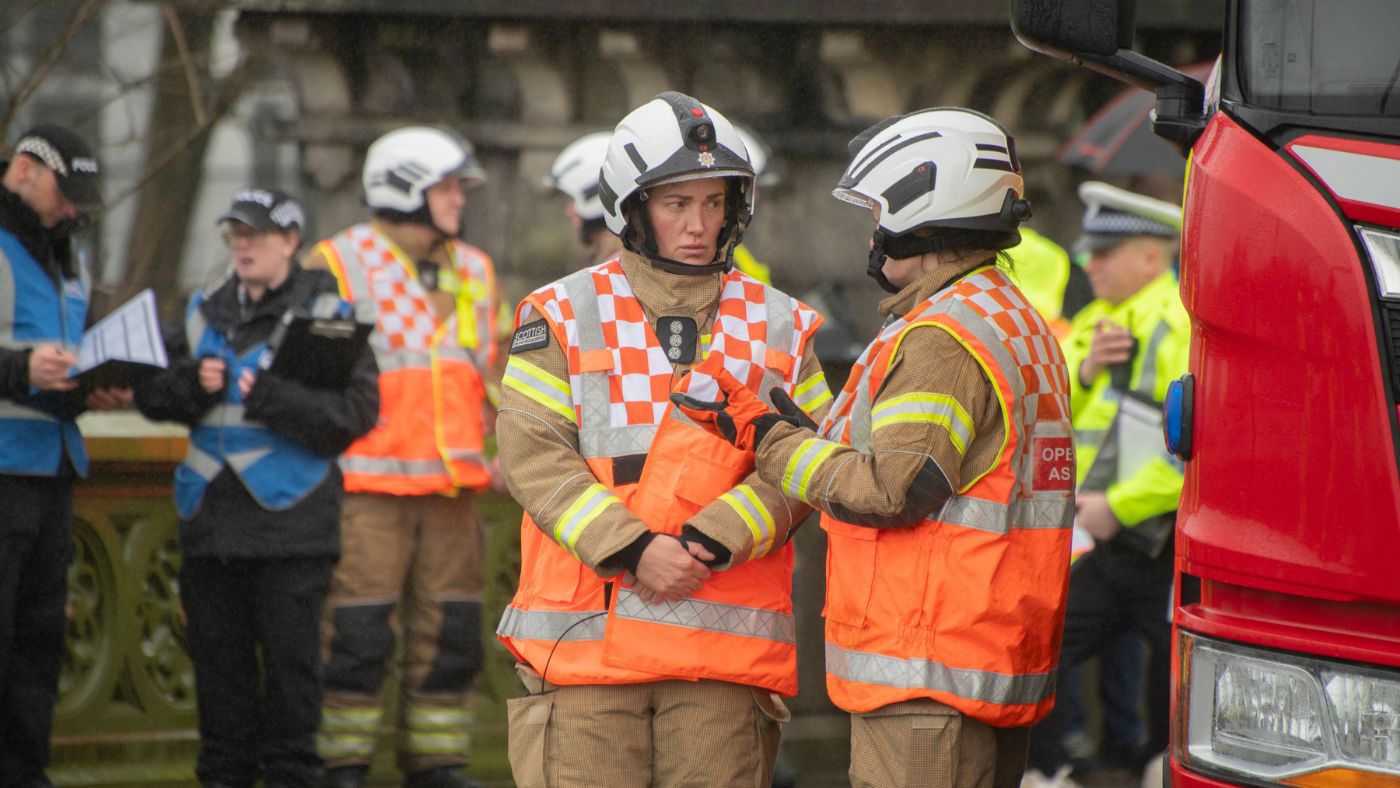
{"x": 259, "y": 496}
{"x": 49, "y": 185}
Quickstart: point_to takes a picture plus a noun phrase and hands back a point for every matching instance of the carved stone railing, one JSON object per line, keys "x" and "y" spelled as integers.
{"x": 126, "y": 714}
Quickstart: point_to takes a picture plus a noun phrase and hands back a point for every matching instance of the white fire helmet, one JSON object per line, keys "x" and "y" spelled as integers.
{"x": 759, "y": 155}
{"x": 402, "y": 164}
{"x": 575, "y": 173}
{"x": 942, "y": 169}
{"x": 674, "y": 138}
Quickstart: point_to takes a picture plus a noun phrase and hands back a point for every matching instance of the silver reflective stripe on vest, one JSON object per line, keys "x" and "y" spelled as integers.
{"x": 366, "y": 309}
{"x": 243, "y": 460}
{"x": 997, "y": 518}
{"x": 616, "y": 441}
{"x": 451, "y": 351}
{"x": 12, "y": 410}
{"x": 1147, "y": 381}
{"x": 394, "y": 360}
{"x": 1089, "y": 437}
{"x": 779, "y": 311}
{"x": 223, "y": 415}
{"x": 206, "y": 465}
{"x": 597, "y": 437}
{"x": 977, "y": 685}
{"x": 7, "y": 297}
{"x": 709, "y": 616}
{"x": 860, "y": 416}
{"x": 387, "y": 466}
{"x": 552, "y": 625}
{"x": 195, "y": 324}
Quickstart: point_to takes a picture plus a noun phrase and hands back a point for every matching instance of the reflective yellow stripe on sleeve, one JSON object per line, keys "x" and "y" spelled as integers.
{"x": 812, "y": 393}
{"x": 803, "y": 463}
{"x": 584, "y": 510}
{"x": 755, "y": 515}
{"x": 540, "y": 386}
{"x": 939, "y": 409}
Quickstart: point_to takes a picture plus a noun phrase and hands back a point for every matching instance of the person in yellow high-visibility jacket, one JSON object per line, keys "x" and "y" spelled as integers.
{"x": 1123, "y": 350}
{"x": 1056, "y": 287}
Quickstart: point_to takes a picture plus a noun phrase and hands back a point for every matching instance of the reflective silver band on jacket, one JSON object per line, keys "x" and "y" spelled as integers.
{"x": 709, "y": 616}
{"x": 993, "y": 517}
{"x": 17, "y": 412}
{"x": 977, "y": 685}
{"x": 388, "y": 466}
{"x": 553, "y": 625}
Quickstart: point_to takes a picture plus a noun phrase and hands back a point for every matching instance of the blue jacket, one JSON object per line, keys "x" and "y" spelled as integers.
{"x": 38, "y": 305}
{"x": 276, "y": 472}
{"x": 230, "y": 515}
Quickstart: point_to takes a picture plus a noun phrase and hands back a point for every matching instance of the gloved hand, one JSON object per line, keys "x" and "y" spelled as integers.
{"x": 741, "y": 417}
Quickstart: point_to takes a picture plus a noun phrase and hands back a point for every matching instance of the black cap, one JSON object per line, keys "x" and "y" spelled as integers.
{"x": 71, "y": 159}
{"x": 265, "y": 209}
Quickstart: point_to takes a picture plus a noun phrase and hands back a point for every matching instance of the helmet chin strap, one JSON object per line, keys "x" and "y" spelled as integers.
{"x": 898, "y": 247}
{"x": 646, "y": 246}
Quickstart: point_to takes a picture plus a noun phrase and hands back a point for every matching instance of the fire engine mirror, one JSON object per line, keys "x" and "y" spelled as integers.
{"x": 1177, "y": 413}
{"x": 1074, "y": 27}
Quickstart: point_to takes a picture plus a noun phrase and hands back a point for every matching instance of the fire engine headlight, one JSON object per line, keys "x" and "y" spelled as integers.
{"x": 1287, "y": 719}
{"x": 1384, "y": 249}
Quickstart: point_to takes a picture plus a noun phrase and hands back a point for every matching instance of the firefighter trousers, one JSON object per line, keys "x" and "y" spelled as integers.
{"x": 410, "y": 566}
{"x": 660, "y": 734}
{"x": 924, "y": 742}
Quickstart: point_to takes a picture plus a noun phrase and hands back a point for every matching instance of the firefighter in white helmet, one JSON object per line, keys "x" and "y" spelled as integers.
{"x": 944, "y": 470}
{"x": 653, "y": 622}
{"x": 575, "y": 175}
{"x": 412, "y": 545}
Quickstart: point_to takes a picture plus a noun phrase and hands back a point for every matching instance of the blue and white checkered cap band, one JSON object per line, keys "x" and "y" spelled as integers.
{"x": 1106, "y": 221}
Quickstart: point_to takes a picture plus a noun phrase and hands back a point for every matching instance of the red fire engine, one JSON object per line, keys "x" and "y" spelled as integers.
{"x": 1287, "y": 601}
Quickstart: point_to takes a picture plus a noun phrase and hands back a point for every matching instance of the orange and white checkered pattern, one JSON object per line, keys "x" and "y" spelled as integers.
{"x": 1028, "y": 337}
{"x": 405, "y": 318}
{"x": 642, "y": 376}
{"x": 992, "y": 296}
{"x": 741, "y": 338}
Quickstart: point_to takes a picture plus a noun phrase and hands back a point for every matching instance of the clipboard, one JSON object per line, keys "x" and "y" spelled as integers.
{"x": 1139, "y": 433}
{"x": 318, "y": 351}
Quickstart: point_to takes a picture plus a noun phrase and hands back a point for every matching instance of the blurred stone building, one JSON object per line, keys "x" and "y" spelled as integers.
{"x": 522, "y": 78}
{"x": 305, "y": 85}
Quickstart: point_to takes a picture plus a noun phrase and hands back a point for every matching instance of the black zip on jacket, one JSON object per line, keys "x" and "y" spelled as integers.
{"x": 230, "y": 523}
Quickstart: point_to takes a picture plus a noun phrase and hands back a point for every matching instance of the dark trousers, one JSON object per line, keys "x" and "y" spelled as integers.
{"x": 1112, "y": 590}
{"x": 36, "y": 545}
{"x": 255, "y": 645}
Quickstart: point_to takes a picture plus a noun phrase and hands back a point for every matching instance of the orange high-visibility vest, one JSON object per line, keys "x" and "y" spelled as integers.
{"x": 966, "y": 607}
{"x": 429, "y": 438}
{"x": 566, "y": 622}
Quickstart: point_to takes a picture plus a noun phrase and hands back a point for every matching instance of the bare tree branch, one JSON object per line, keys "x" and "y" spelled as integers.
{"x": 13, "y": 19}
{"x": 36, "y": 76}
{"x": 177, "y": 31}
{"x": 230, "y": 88}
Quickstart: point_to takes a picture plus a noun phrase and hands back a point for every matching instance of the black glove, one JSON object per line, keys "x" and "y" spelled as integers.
{"x": 788, "y": 413}
{"x": 690, "y": 533}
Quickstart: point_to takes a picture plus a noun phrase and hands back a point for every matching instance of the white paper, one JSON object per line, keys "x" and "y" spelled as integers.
{"x": 130, "y": 333}
{"x": 1139, "y": 435}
